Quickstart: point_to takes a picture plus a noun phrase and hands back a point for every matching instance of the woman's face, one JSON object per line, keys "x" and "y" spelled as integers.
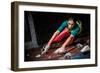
{"x": 71, "y": 24}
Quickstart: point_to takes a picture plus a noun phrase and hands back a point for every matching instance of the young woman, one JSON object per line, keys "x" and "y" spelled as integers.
{"x": 70, "y": 29}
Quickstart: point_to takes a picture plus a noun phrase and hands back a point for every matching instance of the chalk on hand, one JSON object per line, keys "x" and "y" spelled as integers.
{"x": 37, "y": 56}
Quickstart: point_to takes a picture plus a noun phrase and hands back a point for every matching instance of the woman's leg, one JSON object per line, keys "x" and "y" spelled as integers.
{"x": 62, "y": 35}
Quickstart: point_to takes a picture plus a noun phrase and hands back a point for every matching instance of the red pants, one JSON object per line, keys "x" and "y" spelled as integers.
{"x": 64, "y": 34}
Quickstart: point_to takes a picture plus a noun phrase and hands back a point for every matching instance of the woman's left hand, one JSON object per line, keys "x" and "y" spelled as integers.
{"x": 60, "y": 50}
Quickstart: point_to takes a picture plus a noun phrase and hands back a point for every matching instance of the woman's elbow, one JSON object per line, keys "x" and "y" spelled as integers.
{"x": 56, "y": 32}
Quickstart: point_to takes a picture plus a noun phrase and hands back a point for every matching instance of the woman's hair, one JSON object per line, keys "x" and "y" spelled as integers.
{"x": 73, "y": 18}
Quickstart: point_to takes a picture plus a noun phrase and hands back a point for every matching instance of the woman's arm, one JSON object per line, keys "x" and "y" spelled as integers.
{"x": 63, "y": 25}
{"x": 53, "y": 37}
{"x": 50, "y": 41}
{"x": 68, "y": 41}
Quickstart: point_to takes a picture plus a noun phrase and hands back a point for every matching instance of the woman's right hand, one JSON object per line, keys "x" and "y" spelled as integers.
{"x": 45, "y": 49}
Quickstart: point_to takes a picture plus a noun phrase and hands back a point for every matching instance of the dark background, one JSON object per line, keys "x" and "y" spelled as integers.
{"x": 46, "y": 23}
